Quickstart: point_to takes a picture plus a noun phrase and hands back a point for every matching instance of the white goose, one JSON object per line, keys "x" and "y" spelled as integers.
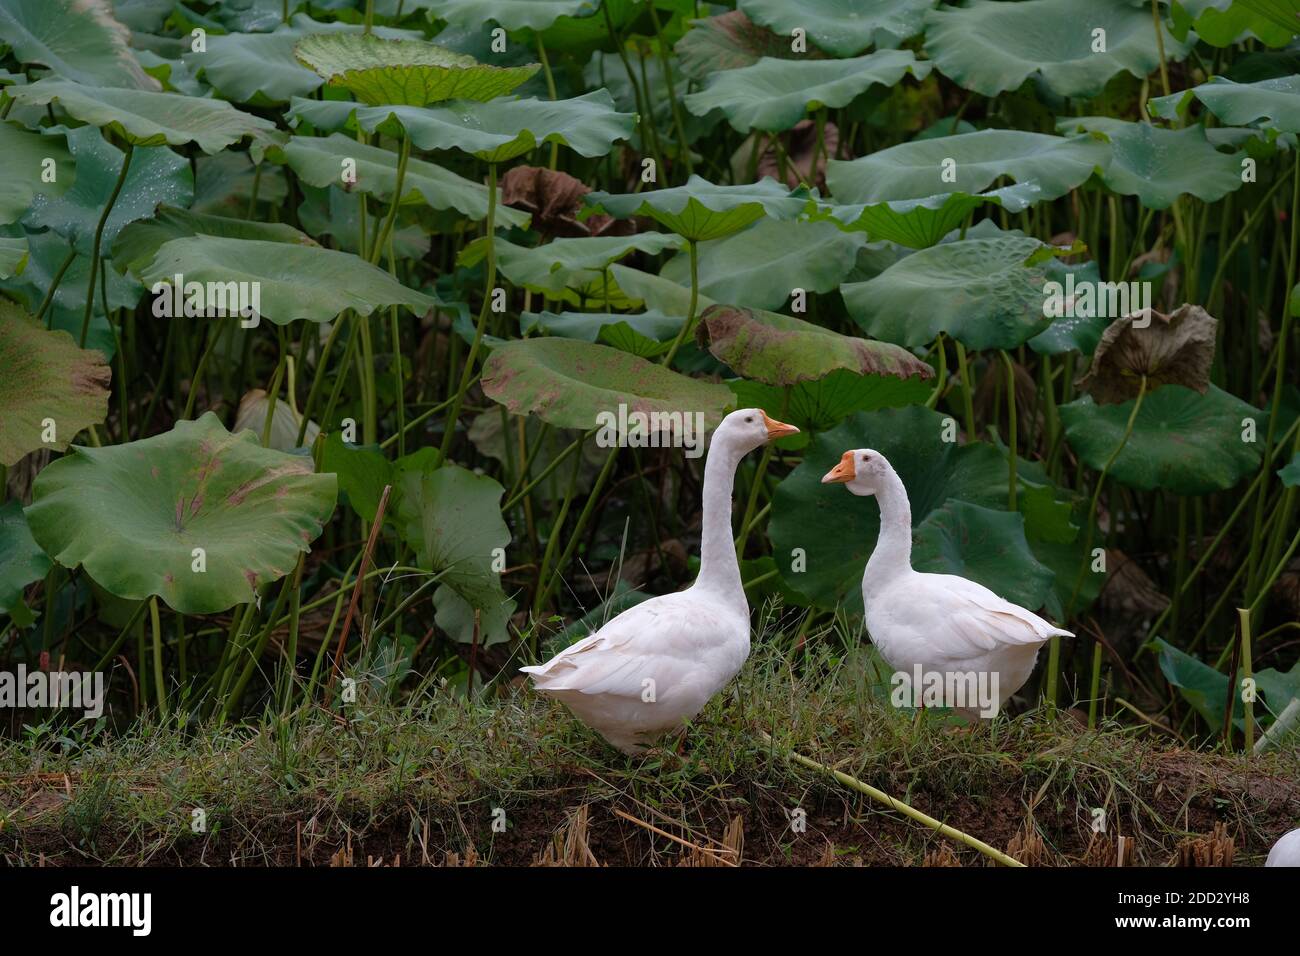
{"x": 942, "y": 623}
{"x": 1286, "y": 851}
{"x": 657, "y": 664}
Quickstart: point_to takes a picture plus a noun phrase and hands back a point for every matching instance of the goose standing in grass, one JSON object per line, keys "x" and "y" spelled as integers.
{"x": 657, "y": 664}
{"x": 941, "y": 623}
{"x": 1286, "y": 851}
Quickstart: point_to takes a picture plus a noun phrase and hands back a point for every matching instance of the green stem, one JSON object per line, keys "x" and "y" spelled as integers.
{"x": 159, "y": 685}
{"x": 693, "y": 252}
{"x": 449, "y": 429}
{"x": 381, "y": 240}
{"x": 1011, "y": 428}
{"x": 54, "y": 287}
{"x": 99, "y": 237}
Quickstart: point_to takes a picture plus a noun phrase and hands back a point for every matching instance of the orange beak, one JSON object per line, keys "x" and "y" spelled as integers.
{"x": 842, "y": 472}
{"x": 777, "y": 429}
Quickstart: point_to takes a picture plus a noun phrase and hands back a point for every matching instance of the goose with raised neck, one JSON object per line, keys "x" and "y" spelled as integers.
{"x": 657, "y": 664}
{"x": 957, "y": 636}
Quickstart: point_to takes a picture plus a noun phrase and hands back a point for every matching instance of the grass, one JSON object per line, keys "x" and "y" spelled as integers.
{"x": 421, "y": 781}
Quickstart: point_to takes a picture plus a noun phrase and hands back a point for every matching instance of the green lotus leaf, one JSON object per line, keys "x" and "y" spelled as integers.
{"x": 22, "y": 562}
{"x": 775, "y": 94}
{"x": 646, "y": 334}
{"x": 918, "y": 223}
{"x": 1081, "y": 330}
{"x": 362, "y": 473}
{"x": 255, "y": 67}
{"x": 79, "y": 40}
{"x": 140, "y": 241}
{"x": 568, "y": 383}
{"x": 1290, "y": 474}
{"x": 972, "y": 162}
{"x": 156, "y": 175}
{"x": 295, "y": 281}
{"x": 261, "y": 67}
{"x": 50, "y": 388}
{"x": 821, "y": 404}
{"x": 837, "y": 531}
{"x": 1226, "y": 22}
{"x": 1273, "y": 104}
{"x": 1158, "y": 165}
{"x": 842, "y": 27}
{"x": 405, "y": 72}
{"x": 148, "y": 119}
{"x": 762, "y": 265}
{"x": 13, "y": 255}
{"x": 1056, "y": 41}
{"x": 562, "y": 264}
{"x": 780, "y": 350}
{"x": 730, "y": 41}
{"x": 1207, "y": 689}
{"x": 1182, "y": 441}
{"x": 985, "y": 546}
{"x": 659, "y": 294}
{"x": 495, "y": 131}
{"x": 132, "y": 515}
{"x": 983, "y": 292}
{"x": 322, "y": 162}
{"x": 451, "y": 518}
{"x": 701, "y": 210}
{"x": 47, "y": 253}
{"x": 28, "y": 172}
{"x": 511, "y": 14}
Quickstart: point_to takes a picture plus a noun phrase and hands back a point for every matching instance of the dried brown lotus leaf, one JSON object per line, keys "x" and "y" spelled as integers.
{"x": 1174, "y": 349}
{"x": 555, "y": 199}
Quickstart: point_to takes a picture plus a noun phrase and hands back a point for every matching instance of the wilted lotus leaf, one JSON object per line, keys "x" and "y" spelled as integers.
{"x": 731, "y": 41}
{"x": 405, "y": 72}
{"x": 197, "y": 516}
{"x": 780, "y": 350}
{"x": 568, "y": 383}
{"x": 1175, "y": 349}
{"x": 49, "y": 388}
{"x": 554, "y": 198}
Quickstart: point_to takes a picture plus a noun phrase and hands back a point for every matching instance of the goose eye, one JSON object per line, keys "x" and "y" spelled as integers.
{"x": 749, "y": 419}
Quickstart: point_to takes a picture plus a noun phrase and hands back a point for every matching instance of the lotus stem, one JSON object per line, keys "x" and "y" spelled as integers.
{"x": 357, "y": 587}
{"x": 54, "y": 287}
{"x": 160, "y": 684}
{"x": 968, "y": 400}
{"x": 99, "y": 236}
{"x": 1286, "y": 722}
{"x": 1011, "y": 429}
{"x": 853, "y": 783}
{"x": 381, "y": 240}
{"x": 449, "y": 430}
{"x": 1094, "y": 687}
{"x": 1247, "y": 672}
{"x": 693, "y": 251}
{"x": 550, "y": 88}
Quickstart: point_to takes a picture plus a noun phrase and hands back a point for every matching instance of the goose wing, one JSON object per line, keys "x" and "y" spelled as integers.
{"x": 986, "y": 621}
{"x": 657, "y": 640}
